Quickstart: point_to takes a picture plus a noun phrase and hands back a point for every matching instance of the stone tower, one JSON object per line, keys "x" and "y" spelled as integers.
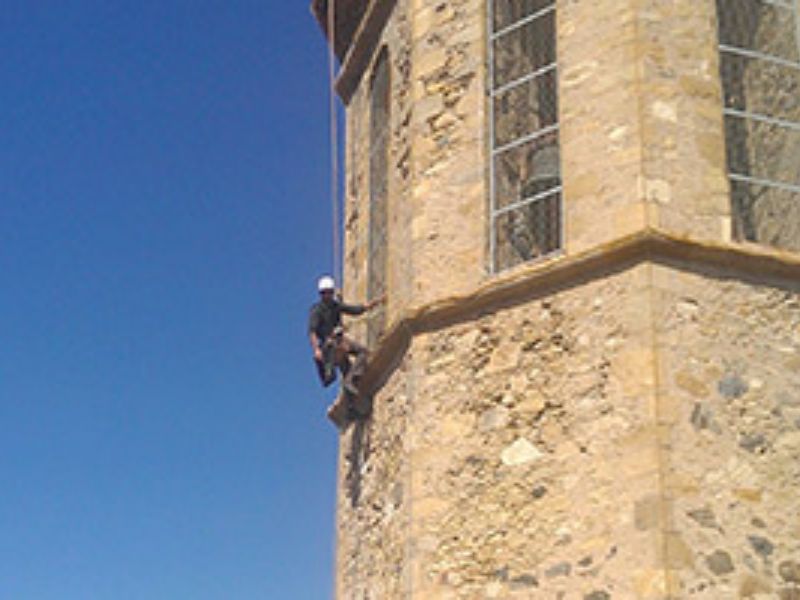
{"x": 586, "y": 217}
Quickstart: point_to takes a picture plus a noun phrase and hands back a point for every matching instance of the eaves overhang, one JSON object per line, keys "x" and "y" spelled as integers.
{"x": 358, "y": 25}
{"x": 347, "y": 17}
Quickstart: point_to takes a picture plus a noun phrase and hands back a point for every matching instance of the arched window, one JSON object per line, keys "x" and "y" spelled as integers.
{"x": 759, "y": 43}
{"x": 380, "y": 113}
{"x": 525, "y": 190}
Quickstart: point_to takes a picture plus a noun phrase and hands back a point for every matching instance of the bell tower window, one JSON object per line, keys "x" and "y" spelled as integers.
{"x": 525, "y": 176}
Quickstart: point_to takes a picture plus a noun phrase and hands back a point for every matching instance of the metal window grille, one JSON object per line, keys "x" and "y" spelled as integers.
{"x": 759, "y": 43}
{"x": 378, "y": 192}
{"x": 525, "y": 174}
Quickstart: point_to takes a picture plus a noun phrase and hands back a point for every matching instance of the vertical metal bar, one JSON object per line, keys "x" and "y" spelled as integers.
{"x": 557, "y": 83}
{"x": 490, "y": 86}
{"x": 796, "y": 14}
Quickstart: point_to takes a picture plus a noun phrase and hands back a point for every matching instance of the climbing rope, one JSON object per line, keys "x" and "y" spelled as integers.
{"x": 334, "y": 139}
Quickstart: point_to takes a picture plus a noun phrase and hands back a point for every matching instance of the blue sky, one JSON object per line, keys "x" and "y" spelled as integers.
{"x": 164, "y": 214}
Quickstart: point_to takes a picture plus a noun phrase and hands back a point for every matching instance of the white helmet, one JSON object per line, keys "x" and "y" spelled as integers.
{"x": 326, "y": 283}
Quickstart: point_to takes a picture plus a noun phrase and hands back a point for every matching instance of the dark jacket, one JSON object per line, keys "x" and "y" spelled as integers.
{"x": 327, "y": 316}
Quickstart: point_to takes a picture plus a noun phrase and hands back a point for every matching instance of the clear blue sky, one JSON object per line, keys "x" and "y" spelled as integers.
{"x": 164, "y": 214}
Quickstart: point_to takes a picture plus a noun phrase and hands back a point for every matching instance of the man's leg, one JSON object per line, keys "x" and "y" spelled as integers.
{"x": 327, "y": 367}
{"x": 352, "y": 376}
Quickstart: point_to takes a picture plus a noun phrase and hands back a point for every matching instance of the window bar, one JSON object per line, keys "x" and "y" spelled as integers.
{"x": 796, "y": 14}
{"x": 492, "y": 185}
{"x": 525, "y": 139}
{"x": 732, "y": 112}
{"x": 787, "y": 187}
{"x": 778, "y": 3}
{"x": 562, "y": 220}
{"x": 522, "y": 22}
{"x": 760, "y": 56}
{"x": 524, "y": 79}
{"x": 529, "y": 200}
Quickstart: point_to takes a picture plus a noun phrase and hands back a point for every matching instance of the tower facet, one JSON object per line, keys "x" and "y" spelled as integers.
{"x": 586, "y": 218}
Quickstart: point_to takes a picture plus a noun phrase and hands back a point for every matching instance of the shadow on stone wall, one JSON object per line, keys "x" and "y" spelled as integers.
{"x": 357, "y": 455}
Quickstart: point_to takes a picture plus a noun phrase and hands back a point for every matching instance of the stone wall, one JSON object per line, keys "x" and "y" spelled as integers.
{"x": 597, "y": 51}
{"x": 683, "y": 178}
{"x": 372, "y": 512}
{"x": 629, "y": 432}
{"x": 437, "y": 179}
{"x": 506, "y": 455}
{"x": 531, "y": 444}
{"x": 641, "y": 132}
{"x": 397, "y": 40}
{"x": 448, "y": 228}
{"x": 373, "y": 516}
{"x": 729, "y": 373}
{"x": 636, "y": 435}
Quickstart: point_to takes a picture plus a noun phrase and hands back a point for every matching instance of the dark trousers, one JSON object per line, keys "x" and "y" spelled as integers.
{"x": 336, "y": 353}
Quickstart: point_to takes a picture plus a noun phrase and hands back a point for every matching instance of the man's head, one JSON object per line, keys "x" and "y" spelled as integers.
{"x": 326, "y": 286}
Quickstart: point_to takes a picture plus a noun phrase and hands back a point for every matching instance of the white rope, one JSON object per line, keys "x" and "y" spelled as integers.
{"x": 334, "y": 140}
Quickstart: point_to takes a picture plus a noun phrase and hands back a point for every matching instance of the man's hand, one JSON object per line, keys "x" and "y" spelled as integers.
{"x": 373, "y": 303}
{"x": 317, "y": 354}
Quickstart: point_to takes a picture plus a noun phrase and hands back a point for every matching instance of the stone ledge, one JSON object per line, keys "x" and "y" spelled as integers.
{"x": 649, "y": 245}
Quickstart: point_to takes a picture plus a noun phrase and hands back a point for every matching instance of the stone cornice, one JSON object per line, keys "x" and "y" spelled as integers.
{"x": 529, "y": 281}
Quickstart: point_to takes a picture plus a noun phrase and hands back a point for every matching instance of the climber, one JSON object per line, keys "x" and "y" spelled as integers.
{"x": 330, "y": 346}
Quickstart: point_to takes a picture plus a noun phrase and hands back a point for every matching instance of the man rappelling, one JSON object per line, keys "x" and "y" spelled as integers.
{"x": 332, "y": 348}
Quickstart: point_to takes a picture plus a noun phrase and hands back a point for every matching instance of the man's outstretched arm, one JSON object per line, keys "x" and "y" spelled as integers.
{"x": 357, "y": 309}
